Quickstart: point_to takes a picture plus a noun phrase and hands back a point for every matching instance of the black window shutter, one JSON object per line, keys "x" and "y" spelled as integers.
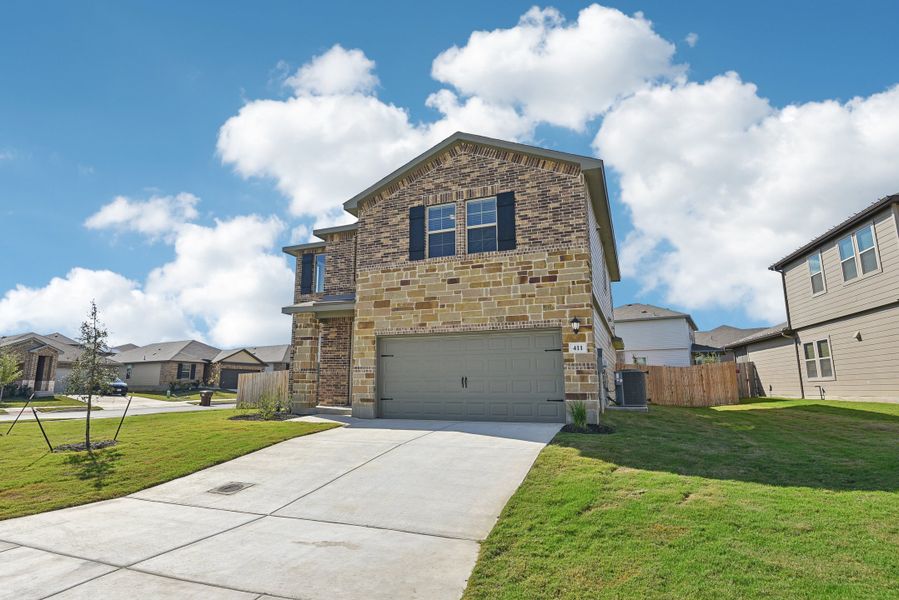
{"x": 505, "y": 221}
{"x": 306, "y": 274}
{"x": 416, "y": 232}
{"x": 193, "y": 371}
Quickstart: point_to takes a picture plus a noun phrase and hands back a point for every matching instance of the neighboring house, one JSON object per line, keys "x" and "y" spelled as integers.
{"x": 842, "y": 298}
{"x": 123, "y": 348}
{"x": 37, "y": 359}
{"x": 57, "y": 374}
{"x": 772, "y": 352}
{"x": 713, "y": 344}
{"x": 654, "y": 335}
{"x": 156, "y": 366}
{"x": 228, "y": 365}
{"x": 457, "y": 293}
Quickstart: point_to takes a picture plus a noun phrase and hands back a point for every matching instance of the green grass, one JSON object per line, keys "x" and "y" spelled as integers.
{"x": 152, "y": 449}
{"x": 771, "y": 499}
{"x": 185, "y": 396}
{"x": 41, "y": 402}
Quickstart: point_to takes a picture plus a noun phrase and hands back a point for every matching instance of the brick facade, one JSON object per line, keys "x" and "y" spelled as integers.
{"x": 28, "y": 353}
{"x": 542, "y": 284}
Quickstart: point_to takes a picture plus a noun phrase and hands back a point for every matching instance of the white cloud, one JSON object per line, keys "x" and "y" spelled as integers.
{"x": 720, "y": 184}
{"x": 323, "y": 149}
{"x": 159, "y": 216}
{"x": 334, "y": 137}
{"x": 226, "y": 283}
{"x": 130, "y": 314}
{"x": 691, "y": 39}
{"x": 559, "y": 73}
{"x": 337, "y": 71}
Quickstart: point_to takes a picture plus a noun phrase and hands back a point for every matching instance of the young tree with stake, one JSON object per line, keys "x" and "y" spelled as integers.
{"x": 91, "y": 375}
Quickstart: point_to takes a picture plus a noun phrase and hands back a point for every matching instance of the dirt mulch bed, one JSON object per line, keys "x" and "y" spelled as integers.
{"x": 80, "y": 447}
{"x": 257, "y": 417}
{"x": 570, "y": 428}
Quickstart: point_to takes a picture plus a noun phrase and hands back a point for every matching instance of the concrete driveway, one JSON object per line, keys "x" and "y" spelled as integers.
{"x": 113, "y": 408}
{"x": 376, "y": 509}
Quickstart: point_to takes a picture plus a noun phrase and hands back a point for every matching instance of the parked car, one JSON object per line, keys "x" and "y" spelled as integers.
{"x": 118, "y": 388}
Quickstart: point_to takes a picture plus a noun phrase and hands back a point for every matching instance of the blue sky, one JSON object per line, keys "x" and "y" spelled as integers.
{"x": 107, "y": 99}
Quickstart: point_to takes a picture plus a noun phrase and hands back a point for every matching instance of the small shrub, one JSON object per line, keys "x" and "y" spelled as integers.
{"x": 578, "y": 410}
{"x": 268, "y": 406}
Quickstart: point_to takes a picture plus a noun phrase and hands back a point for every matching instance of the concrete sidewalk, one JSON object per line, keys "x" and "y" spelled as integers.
{"x": 377, "y": 509}
{"x": 114, "y": 407}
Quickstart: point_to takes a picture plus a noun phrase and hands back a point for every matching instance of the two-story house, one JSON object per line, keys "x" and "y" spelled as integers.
{"x": 475, "y": 284}
{"x": 653, "y": 335}
{"x": 842, "y": 297}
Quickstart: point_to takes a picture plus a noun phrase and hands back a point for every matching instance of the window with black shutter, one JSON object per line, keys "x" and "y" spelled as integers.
{"x": 416, "y": 232}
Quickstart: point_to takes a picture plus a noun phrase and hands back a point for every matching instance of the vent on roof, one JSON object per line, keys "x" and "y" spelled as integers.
{"x": 230, "y": 488}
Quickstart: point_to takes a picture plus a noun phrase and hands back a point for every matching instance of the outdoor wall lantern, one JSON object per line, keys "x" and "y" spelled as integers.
{"x": 575, "y": 325}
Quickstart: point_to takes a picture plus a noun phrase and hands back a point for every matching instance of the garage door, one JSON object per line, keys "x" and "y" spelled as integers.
{"x": 480, "y": 377}
{"x": 228, "y": 378}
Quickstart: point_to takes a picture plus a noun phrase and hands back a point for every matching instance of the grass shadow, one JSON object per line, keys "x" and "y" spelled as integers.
{"x": 807, "y": 445}
{"x": 94, "y": 467}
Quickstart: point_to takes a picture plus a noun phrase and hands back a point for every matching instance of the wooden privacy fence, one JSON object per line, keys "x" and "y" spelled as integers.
{"x": 699, "y": 385}
{"x": 251, "y": 387}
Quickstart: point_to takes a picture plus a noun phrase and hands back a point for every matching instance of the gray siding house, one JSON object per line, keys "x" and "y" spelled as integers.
{"x": 653, "y": 335}
{"x": 842, "y": 298}
{"x": 772, "y": 352}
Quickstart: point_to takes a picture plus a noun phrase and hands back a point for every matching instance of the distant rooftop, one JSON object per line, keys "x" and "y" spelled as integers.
{"x": 647, "y": 312}
{"x": 721, "y": 336}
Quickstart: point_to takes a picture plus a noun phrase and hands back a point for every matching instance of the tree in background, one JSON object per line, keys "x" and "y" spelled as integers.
{"x": 91, "y": 374}
{"x": 9, "y": 371}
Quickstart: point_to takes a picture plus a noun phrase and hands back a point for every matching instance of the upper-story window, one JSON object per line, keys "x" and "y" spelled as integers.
{"x": 319, "y": 281}
{"x": 818, "y": 362}
{"x": 442, "y": 230}
{"x": 816, "y": 272}
{"x": 480, "y": 224}
{"x": 858, "y": 253}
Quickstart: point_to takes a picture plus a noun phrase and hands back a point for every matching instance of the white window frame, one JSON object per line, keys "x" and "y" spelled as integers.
{"x": 495, "y": 223}
{"x": 428, "y": 230}
{"x": 856, "y": 254}
{"x": 811, "y": 274}
{"x": 316, "y": 288}
{"x": 129, "y": 369}
{"x": 818, "y": 360}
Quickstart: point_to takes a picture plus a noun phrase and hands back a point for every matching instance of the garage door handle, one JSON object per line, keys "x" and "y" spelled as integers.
{"x": 555, "y": 399}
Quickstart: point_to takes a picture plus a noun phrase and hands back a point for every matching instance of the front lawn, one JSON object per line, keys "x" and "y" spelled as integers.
{"x": 185, "y": 396}
{"x": 48, "y": 404}
{"x": 773, "y": 499}
{"x": 152, "y": 449}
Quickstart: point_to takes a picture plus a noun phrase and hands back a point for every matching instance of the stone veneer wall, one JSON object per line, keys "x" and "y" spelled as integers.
{"x": 544, "y": 283}
{"x": 303, "y": 389}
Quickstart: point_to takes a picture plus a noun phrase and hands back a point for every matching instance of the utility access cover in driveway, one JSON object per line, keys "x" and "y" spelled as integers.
{"x": 379, "y": 509}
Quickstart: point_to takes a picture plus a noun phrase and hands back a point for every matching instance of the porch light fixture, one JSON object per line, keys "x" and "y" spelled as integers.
{"x": 575, "y": 325}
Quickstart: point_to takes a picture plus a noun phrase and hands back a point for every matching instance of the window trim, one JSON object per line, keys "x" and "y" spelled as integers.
{"x": 494, "y": 224}
{"x": 315, "y": 272}
{"x": 817, "y": 360}
{"x": 857, "y": 254}
{"x": 811, "y": 275}
{"x": 428, "y": 230}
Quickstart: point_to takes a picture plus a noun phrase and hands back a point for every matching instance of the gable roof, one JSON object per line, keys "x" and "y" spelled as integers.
{"x": 226, "y": 355}
{"x": 648, "y": 312}
{"x": 836, "y": 230}
{"x": 184, "y": 350}
{"x": 272, "y": 354}
{"x": 761, "y": 335}
{"x": 68, "y": 353}
{"x": 62, "y": 339}
{"x": 721, "y": 336}
{"x": 591, "y": 168}
{"x": 125, "y": 347}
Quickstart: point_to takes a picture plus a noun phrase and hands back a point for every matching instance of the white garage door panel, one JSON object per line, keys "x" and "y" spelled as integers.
{"x": 510, "y": 377}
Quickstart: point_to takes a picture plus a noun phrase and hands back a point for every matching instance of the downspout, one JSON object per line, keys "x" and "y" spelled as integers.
{"x": 783, "y": 281}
